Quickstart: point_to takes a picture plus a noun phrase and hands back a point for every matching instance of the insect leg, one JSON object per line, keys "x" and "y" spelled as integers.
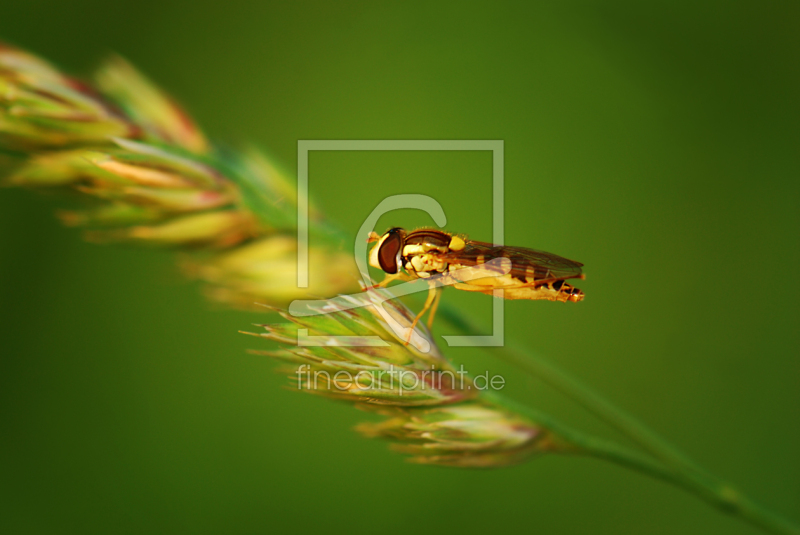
{"x": 432, "y": 293}
{"x": 388, "y": 279}
{"x": 435, "y": 305}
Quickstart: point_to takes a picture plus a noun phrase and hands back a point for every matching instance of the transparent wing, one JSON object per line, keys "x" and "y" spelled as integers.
{"x": 526, "y": 264}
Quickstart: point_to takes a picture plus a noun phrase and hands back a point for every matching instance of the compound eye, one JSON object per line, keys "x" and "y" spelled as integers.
{"x": 389, "y": 252}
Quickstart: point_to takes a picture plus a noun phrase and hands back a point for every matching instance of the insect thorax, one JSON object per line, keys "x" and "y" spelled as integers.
{"x": 421, "y": 252}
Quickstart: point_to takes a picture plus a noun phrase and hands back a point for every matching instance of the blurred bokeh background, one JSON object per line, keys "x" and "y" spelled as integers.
{"x": 656, "y": 143}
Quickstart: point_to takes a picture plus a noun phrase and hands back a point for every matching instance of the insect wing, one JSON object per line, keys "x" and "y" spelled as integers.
{"x": 527, "y": 265}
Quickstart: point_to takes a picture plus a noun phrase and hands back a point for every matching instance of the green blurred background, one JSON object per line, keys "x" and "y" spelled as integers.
{"x": 658, "y": 144}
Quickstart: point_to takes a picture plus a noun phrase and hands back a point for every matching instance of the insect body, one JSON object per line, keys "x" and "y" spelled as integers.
{"x": 434, "y": 254}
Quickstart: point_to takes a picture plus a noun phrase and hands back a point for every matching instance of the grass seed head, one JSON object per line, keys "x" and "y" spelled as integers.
{"x": 471, "y": 434}
{"x": 344, "y": 349}
{"x": 40, "y": 108}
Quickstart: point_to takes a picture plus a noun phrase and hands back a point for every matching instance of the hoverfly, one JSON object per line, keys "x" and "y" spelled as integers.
{"x": 434, "y": 254}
